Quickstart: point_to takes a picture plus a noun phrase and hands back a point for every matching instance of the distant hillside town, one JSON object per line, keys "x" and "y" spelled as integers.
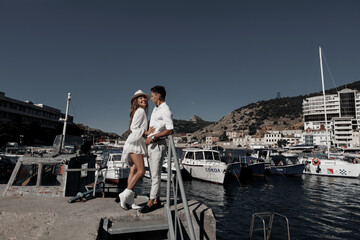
{"x": 343, "y": 119}
{"x": 278, "y": 122}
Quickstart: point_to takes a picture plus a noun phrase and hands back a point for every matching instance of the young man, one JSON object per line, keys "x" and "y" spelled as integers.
{"x": 161, "y": 120}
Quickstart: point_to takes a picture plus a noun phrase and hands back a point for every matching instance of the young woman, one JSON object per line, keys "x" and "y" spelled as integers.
{"x": 135, "y": 148}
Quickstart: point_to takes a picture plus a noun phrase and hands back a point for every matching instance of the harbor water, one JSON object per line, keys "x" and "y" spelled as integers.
{"x": 316, "y": 207}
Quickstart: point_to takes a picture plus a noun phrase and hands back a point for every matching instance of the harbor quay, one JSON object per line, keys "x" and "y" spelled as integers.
{"x": 32, "y": 217}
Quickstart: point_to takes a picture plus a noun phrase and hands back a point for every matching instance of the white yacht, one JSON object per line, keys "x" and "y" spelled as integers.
{"x": 204, "y": 165}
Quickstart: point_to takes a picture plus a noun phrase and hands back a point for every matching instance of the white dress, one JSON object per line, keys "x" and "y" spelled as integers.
{"x": 135, "y": 143}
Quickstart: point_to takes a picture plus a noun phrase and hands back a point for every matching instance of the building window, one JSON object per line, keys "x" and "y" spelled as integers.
{"x": 347, "y": 104}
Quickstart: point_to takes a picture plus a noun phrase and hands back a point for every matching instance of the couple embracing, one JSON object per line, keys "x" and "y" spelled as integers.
{"x": 144, "y": 141}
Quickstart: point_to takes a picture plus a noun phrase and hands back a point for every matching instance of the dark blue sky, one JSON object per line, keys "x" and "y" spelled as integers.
{"x": 212, "y": 56}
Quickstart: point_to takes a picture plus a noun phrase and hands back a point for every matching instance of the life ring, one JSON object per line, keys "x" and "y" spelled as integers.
{"x": 315, "y": 161}
{"x": 356, "y": 160}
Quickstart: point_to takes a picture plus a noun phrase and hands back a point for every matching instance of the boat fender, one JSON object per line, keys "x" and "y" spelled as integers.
{"x": 356, "y": 161}
{"x": 316, "y": 161}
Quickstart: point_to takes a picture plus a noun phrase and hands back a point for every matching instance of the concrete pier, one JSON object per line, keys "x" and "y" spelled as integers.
{"x": 54, "y": 218}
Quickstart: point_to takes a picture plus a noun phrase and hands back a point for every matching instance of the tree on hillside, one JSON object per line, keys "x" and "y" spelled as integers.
{"x": 223, "y": 137}
{"x": 282, "y": 143}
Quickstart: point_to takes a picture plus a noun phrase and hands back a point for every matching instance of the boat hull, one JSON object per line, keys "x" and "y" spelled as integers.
{"x": 257, "y": 169}
{"x": 241, "y": 170}
{"x": 287, "y": 170}
{"x": 208, "y": 173}
{"x": 116, "y": 175}
{"x": 333, "y": 168}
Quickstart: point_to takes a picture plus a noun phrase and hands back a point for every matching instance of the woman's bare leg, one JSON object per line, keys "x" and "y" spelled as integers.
{"x": 138, "y": 161}
{"x": 131, "y": 173}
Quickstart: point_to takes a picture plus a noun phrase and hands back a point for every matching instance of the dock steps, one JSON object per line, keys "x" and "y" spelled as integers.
{"x": 151, "y": 229}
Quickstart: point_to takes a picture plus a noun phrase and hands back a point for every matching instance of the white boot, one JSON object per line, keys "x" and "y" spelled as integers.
{"x": 131, "y": 201}
{"x": 124, "y": 198}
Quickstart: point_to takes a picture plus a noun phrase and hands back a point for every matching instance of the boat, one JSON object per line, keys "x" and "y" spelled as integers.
{"x": 204, "y": 165}
{"x": 279, "y": 162}
{"x": 164, "y": 169}
{"x": 116, "y": 170}
{"x": 323, "y": 166}
{"x": 326, "y": 165}
{"x": 256, "y": 166}
{"x": 286, "y": 166}
{"x": 245, "y": 167}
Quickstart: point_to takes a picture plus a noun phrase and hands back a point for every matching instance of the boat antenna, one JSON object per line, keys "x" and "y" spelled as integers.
{"x": 62, "y": 146}
{"x": 323, "y": 89}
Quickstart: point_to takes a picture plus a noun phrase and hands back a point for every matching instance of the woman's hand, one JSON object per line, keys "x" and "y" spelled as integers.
{"x": 150, "y": 131}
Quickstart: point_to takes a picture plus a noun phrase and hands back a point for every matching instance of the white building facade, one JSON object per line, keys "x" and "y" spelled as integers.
{"x": 343, "y": 116}
{"x": 247, "y": 141}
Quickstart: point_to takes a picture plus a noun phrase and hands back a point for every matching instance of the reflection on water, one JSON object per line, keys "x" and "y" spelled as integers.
{"x": 317, "y": 207}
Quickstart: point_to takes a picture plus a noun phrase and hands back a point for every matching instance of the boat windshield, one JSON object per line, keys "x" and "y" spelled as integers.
{"x": 199, "y": 156}
{"x": 208, "y": 155}
{"x": 190, "y": 155}
{"x": 116, "y": 157}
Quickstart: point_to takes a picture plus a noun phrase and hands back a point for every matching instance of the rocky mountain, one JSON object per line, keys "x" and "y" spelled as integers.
{"x": 190, "y": 126}
{"x": 256, "y": 118}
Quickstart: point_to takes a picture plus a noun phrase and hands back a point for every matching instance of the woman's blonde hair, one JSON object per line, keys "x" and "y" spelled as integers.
{"x": 134, "y": 106}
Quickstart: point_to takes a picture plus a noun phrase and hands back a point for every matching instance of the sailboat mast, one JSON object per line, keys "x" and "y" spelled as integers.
{"x": 323, "y": 89}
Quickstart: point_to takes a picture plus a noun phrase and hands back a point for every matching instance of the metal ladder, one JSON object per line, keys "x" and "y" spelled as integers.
{"x": 264, "y": 229}
{"x": 175, "y": 226}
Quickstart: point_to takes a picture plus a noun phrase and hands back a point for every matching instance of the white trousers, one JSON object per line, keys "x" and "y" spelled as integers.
{"x": 156, "y": 153}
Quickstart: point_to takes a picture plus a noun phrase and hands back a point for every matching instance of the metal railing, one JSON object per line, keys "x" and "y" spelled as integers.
{"x": 174, "y": 184}
{"x": 266, "y": 230}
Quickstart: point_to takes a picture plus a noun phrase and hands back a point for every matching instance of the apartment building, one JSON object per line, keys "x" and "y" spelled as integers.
{"x": 232, "y": 135}
{"x": 342, "y": 111}
{"x": 210, "y": 140}
{"x": 247, "y": 141}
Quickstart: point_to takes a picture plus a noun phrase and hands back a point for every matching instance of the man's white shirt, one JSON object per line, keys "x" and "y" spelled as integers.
{"x": 161, "y": 118}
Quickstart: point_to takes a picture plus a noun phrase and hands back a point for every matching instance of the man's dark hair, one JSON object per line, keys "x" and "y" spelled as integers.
{"x": 160, "y": 90}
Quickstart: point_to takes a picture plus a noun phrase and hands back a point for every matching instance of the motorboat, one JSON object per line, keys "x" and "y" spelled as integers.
{"x": 244, "y": 167}
{"x": 286, "y": 166}
{"x": 204, "y": 165}
{"x": 255, "y": 165}
{"x": 279, "y": 162}
{"x": 117, "y": 170}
